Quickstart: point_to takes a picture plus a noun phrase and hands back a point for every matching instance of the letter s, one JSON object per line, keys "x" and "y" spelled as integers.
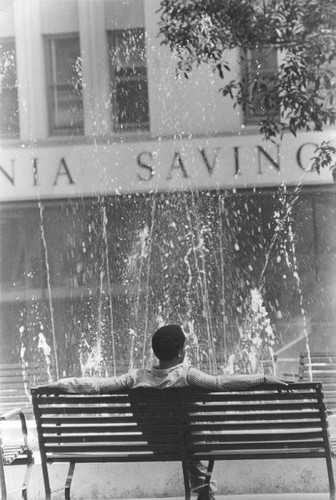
{"x": 143, "y": 164}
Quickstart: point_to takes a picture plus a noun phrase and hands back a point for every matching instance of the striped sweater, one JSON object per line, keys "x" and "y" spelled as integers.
{"x": 178, "y": 376}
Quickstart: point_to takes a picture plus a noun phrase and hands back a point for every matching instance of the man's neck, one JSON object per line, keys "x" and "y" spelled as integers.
{"x": 164, "y": 365}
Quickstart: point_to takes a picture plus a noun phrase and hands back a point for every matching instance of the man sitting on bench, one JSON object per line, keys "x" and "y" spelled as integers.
{"x": 168, "y": 346}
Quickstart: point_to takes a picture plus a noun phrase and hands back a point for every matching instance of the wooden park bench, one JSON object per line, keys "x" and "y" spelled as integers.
{"x": 320, "y": 367}
{"x": 150, "y": 425}
{"x": 18, "y": 453}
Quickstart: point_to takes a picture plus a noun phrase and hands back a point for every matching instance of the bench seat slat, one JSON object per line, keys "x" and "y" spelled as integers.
{"x": 112, "y": 457}
{"x": 108, "y": 448}
{"x": 195, "y": 437}
{"x": 12, "y": 453}
{"x": 295, "y": 435}
{"x": 270, "y": 445}
{"x": 258, "y": 454}
{"x": 138, "y": 447}
{"x": 124, "y": 457}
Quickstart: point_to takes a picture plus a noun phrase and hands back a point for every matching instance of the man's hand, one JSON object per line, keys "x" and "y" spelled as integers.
{"x": 269, "y": 379}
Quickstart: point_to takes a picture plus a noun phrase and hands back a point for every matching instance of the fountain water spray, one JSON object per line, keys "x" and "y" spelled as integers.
{"x": 108, "y": 284}
{"x": 150, "y": 240}
{"x": 46, "y": 350}
{"x": 53, "y": 331}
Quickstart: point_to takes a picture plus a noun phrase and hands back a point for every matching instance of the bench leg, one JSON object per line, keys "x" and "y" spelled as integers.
{"x": 27, "y": 478}
{"x": 330, "y": 475}
{"x": 69, "y": 480}
{"x": 186, "y": 479}
{"x": 45, "y": 477}
{"x": 2, "y": 479}
{"x": 209, "y": 473}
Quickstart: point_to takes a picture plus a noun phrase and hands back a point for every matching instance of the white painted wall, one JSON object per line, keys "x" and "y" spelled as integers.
{"x": 94, "y": 52}
{"x": 7, "y": 28}
{"x": 178, "y": 106}
{"x": 183, "y": 106}
{"x": 30, "y": 70}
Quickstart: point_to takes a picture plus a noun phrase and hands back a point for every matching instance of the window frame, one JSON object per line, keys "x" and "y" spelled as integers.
{"x": 52, "y": 85}
{"x": 128, "y": 127}
{"x": 15, "y": 134}
{"x": 248, "y": 77}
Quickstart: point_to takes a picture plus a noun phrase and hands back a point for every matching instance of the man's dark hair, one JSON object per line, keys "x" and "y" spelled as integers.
{"x": 167, "y": 341}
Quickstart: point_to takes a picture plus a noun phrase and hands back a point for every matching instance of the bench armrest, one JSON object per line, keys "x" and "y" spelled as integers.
{"x": 14, "y": 413}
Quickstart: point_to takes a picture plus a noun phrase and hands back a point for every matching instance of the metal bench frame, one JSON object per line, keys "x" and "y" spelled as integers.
{"x": 146, "y": 425}
{"x": 16, "y": 454}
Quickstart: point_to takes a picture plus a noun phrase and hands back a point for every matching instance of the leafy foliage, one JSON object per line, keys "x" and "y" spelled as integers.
{"x": 301, "y": 94}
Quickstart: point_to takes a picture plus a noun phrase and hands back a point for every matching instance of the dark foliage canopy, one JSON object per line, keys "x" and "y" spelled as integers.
{"x": 300, "y": 96}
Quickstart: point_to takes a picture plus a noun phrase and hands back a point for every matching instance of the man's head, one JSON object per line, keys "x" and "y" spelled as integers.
{"x": 168, "y": 342}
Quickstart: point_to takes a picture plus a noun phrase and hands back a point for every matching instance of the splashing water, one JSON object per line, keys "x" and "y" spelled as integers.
{"x": 150, "y": 238}
{"x": 46, "y": 350}
{"x": 257, "y": 339}
{"x": 134, "y": 276}
{"x": 22, "y": 346}
{"x": 302, "y": 309}
{"x": 53, "y": 331}
{"x": 197, "y": 236}
{"x": 182, "y": 259}
{"x": 91, "y": 359}
{"x": 281, "y": 220}
{"x": 109, "y": 291}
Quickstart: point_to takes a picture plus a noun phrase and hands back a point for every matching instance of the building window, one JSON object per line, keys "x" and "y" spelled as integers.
{"x": 260, "y": 71}
{"x": 9, "y": 106}
{"x": 64, "y": 85}
{"x": 129, "y": 95}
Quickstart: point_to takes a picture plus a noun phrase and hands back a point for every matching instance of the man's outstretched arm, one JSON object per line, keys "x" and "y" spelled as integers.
{"x": 93, "y": 385}
{"x": 198, "y": 378}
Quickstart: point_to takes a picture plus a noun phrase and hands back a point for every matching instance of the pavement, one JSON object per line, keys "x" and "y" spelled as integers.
{"x": 270, "y": 496}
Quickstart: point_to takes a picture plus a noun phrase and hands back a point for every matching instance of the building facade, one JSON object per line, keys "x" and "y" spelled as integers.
{"x": 131, "y": 197}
